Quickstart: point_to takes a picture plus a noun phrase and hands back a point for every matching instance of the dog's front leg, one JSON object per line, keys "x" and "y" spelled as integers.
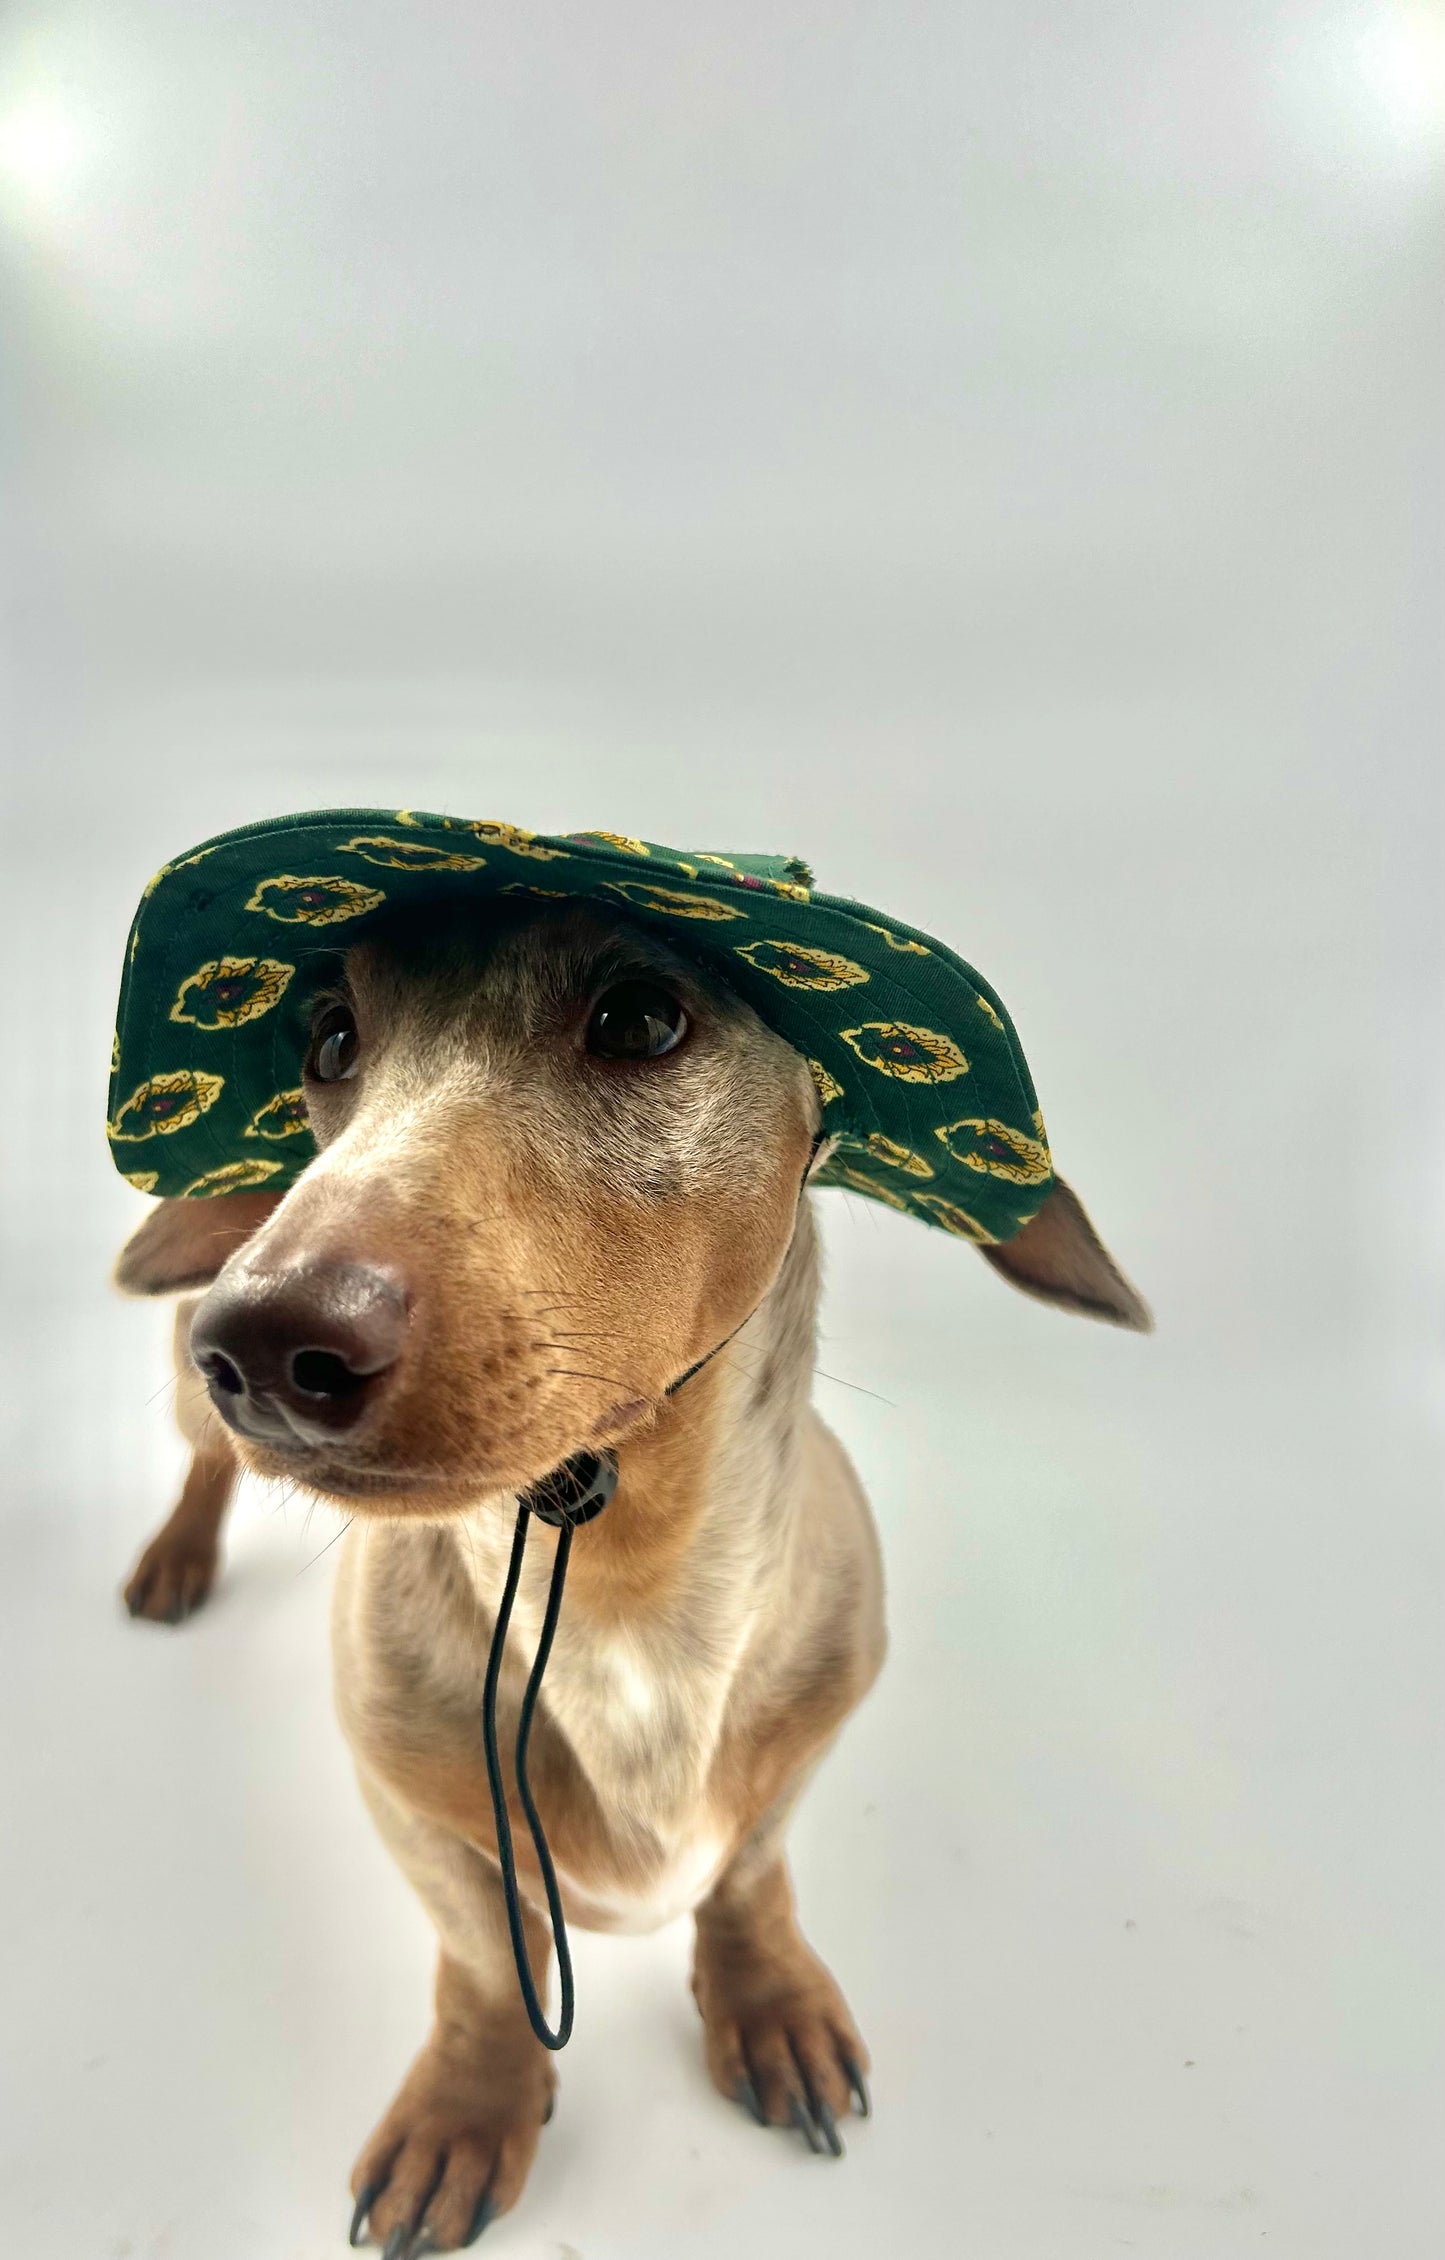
{"x": 779, "y": 2035}
{"x": 457, "y": 2144}
{"x": 177, "y": 1568}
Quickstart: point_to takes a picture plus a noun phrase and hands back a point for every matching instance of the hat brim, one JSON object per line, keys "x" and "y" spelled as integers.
{"x": 919, "y": 1072}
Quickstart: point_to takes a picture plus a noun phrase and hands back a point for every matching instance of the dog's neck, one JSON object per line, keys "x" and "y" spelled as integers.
{"x": 700, "y": 1513}
{"x": 713, "y": 1472}
{"x": 676, "y": 1583}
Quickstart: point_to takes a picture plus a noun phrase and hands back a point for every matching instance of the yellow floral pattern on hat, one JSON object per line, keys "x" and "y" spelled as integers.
{"x": 762, "y": 883}
{"x": 906, "y": 1052}
{"x": 670, "y": 902}
{"x": 798, "y": 966}
{"x": 165, "y": 1103}
{"x": 914, "y": 949}
{"x": 516, "y": 841}
{"x": 828, "y": 1087}
{"x": 144, "y": 1180}
{"x": 989, "y": 1014}
{"x": 411, "y": 855}
{"x": 888, "y": 1150}
{"x": 794, "y": 888}
{"x": 542, "y": 894}
{"x": 621, "y": 840}
{"x": 181, "y": 863}
{"x": 996, "y": 1149}
{"x": 284, "y": 1116}
{"x": 954, "y": 1219}
{"x": 231, "y": 1177}
{"x": 857, "y": 1182}
{"x": 314, "y": 902}
{"x": 229, "y": 991}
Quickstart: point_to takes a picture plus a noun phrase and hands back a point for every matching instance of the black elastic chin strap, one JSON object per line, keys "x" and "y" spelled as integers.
{"x": 572, "y": 1494}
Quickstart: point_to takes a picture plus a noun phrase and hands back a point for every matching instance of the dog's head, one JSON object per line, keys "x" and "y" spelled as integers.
{"x": 556, "y": 1167}
{"x": 558, "y": 1164}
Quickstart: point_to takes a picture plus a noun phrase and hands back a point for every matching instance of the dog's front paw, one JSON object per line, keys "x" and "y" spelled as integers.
{"x": 781, "y": 2041}
{"x": 451, "y": 2154}
{"x": 172, "y": 1577}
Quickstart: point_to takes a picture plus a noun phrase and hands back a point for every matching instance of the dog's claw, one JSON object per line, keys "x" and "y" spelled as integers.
{"x": 802, "y": 2119}
{"x": 364, "y": 2204}
{"x": 483, "y": 2218}
{"x": 853, "y": 2074}
{"x": 397, "y": 2242}
{"x": 823, "y": 2118}
{"x": 747, "y": 2095}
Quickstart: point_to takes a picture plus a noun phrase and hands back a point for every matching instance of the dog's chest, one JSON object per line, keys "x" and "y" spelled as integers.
{"x": 641, "y": 1719}
{"x": 626, "y": 1738}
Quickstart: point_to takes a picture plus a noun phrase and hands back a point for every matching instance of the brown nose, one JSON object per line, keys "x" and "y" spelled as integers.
{"x": 299, "y": 1356}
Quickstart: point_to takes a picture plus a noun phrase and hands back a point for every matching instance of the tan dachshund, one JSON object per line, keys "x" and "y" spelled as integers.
{"x": 557, "y": 1167}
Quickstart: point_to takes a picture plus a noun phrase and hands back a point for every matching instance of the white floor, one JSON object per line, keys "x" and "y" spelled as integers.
{"x": 997, "y": 455}
{"x": 1129, "y": 1866}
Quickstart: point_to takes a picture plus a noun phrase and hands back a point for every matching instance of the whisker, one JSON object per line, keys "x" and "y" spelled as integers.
{"x": 341, "y": 1533}
{"x": 572, "y": 1373}
{"x": 839, "y": 1382}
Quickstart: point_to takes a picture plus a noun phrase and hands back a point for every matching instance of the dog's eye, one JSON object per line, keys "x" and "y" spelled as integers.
{"x": 636, "y": 1020}
{"x": 335, "y": 1046}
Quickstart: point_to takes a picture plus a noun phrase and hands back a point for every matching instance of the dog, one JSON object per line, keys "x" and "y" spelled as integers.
{"x": 560, "y": 1202}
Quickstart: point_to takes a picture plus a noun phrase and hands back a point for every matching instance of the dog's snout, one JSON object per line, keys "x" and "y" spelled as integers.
{"x": 302, "y": 1354}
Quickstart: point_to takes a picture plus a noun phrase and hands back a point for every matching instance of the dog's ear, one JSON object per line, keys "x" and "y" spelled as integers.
{"x": 1059, "y": 1257}
{"x": 184, "y": 1243}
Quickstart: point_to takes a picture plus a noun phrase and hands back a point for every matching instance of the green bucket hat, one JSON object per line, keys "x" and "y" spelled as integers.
{"x": 921, "y": 1077}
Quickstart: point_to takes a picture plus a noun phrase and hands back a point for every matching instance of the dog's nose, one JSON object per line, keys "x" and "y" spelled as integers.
{"x": 302, "y": 1353}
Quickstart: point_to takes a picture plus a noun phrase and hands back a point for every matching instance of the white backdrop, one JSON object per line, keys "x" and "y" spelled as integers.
{"x": 993, "y": 452}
